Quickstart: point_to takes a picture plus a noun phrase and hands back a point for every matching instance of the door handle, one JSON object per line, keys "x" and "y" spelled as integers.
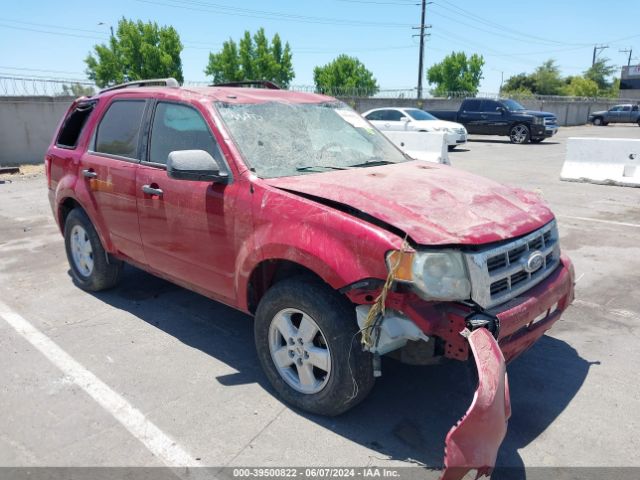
{"x": 86, "y": 173}
{"x": 149, "y": 190}
{"x": 483, "y": 116}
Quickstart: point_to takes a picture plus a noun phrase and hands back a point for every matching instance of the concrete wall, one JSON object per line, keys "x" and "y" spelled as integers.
{"x": 568, "y": 113}
{"x": 27, "y": 125}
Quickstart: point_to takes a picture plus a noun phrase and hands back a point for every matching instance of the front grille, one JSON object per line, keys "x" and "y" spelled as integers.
{"x": 500, "y": 273}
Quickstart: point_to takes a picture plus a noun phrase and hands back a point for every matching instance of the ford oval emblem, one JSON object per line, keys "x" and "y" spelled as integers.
{"x": 534, "y": 262}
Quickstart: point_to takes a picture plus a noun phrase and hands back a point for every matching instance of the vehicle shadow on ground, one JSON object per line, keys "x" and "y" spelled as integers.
{"x": 410, "y": 410}
{"x": 492, "y": 140}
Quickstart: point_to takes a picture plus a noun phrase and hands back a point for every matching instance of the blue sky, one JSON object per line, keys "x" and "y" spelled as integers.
{"x": 51, "y": 39}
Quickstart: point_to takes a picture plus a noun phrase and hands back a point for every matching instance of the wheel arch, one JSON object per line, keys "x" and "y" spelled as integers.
{"x": 66, "y": 204}
{"x": 269, "y": 272}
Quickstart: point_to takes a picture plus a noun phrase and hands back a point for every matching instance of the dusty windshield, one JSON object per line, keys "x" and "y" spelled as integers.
{"x": 280, "y": 139}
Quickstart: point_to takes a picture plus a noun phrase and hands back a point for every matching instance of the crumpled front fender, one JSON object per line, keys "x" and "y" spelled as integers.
{"x": 474, "y": 441}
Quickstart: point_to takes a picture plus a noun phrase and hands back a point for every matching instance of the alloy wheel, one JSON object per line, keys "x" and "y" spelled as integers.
{"x": 299, "y": 351}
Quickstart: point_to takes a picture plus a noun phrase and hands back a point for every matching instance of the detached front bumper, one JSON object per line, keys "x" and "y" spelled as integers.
{"x": 474, "y": 442}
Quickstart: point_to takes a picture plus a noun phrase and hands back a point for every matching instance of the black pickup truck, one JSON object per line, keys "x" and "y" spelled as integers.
{"x": 502, "y": 117}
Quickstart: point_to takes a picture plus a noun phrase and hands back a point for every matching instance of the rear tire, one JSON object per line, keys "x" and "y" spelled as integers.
{"x": 519, "y": 134}
{"x": 451, "y": 148}
{"x": 87, "y": 258}
{"x": 307, "y": 340}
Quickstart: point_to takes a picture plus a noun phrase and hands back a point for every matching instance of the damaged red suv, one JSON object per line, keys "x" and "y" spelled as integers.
{"x": 293, "y": 208}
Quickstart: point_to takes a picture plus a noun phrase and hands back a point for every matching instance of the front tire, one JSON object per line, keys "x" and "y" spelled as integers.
{"x": 519, "y": 134}
{"x": 307, "y": 340}
{"x": 598, "y": 122}
{"x": 87, "y": 258}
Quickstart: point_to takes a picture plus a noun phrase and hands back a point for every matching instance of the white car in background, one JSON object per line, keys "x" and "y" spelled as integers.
{"x": 416, "y": 120}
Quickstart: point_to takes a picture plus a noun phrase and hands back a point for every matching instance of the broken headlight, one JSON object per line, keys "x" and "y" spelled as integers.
{"x": 433, "y": 275}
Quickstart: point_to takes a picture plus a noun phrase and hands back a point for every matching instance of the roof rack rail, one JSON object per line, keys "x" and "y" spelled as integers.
{"x": 152, "y": 82}
{"x": 248, "y": 83}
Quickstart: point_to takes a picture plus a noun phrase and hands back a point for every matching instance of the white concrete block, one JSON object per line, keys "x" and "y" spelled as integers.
{"x": 607, "y": 161}
{"x": 427, "y": 146}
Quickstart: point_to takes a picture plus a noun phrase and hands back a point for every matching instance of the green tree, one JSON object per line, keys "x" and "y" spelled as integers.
{"x": 137, "y": 51}
{"x": 600, "y": 72}
{"x": 581, "y": 87}
{"x": 547, "y": 79}
{"x": 345, "y": 75}
{"x": 614, "y": 91}
{"x": 522, "y": 82}
{"x": 252, "y": 58}
{"x": 77, "y": 90}
{"x": 456, "y": 73}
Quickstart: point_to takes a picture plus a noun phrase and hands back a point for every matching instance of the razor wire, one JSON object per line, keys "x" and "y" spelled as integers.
{"x": 20, "y": 86}
{"x": 14, "y": 86}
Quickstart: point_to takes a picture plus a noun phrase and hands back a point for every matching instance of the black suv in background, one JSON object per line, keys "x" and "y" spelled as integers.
{"x": 502, "y": 117}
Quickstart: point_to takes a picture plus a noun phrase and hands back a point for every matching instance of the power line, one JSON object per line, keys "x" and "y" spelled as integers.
{"x": 410, "y": 3}
{"x": 207, "y": 7}
{"x": 498, "y": 26}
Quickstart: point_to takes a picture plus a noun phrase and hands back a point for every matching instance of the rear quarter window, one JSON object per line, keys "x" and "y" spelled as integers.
{"x": 119, "y": 130}
{"x": 73, "y": 125}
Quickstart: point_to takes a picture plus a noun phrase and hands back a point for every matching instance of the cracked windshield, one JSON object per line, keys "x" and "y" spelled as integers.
{"x": 282, "y": 139}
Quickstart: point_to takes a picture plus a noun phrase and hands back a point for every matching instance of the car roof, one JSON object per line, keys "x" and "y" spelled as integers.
{"x": 235, "y": 95}
{"x": 387, "y": 108}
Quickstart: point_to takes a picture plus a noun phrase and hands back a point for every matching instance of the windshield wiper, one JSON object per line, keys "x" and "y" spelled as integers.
{"x": 372, "y": 163}
{"x": 301, "y": 168}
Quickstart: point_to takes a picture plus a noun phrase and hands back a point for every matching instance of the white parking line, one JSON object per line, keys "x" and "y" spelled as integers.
{"x": 598, "y": 220}
{"x": 156, "y": 441}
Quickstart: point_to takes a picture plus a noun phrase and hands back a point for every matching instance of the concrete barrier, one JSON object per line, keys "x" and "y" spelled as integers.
{"x": 607, "y": 161}
{"x": 427, "y": 146}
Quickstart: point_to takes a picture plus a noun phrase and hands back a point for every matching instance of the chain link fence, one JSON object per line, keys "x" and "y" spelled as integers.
{"x": 18, "y": 86}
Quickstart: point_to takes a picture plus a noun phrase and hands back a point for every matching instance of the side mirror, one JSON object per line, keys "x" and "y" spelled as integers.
{"x": 405, "y": 119}
{"x": 196, "y": 165}
{"x": 500, "y": 110}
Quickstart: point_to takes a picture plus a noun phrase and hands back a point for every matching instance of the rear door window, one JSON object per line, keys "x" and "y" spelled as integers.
{"x": 472, "y": 105}
{"x": 119, "y": 130}
{"x": 392, "y": 115}
{"x": 377, "y": 115}
{"x": 73, "y": 125}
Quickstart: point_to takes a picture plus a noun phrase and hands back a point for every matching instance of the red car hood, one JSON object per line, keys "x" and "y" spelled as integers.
{"x": 433, "y": 204}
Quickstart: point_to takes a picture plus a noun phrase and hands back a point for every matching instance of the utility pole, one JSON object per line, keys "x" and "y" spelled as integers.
{"x": 422, "y": 28}
{"x": 630, "y": 51}
{"x": 596, "y": 50}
